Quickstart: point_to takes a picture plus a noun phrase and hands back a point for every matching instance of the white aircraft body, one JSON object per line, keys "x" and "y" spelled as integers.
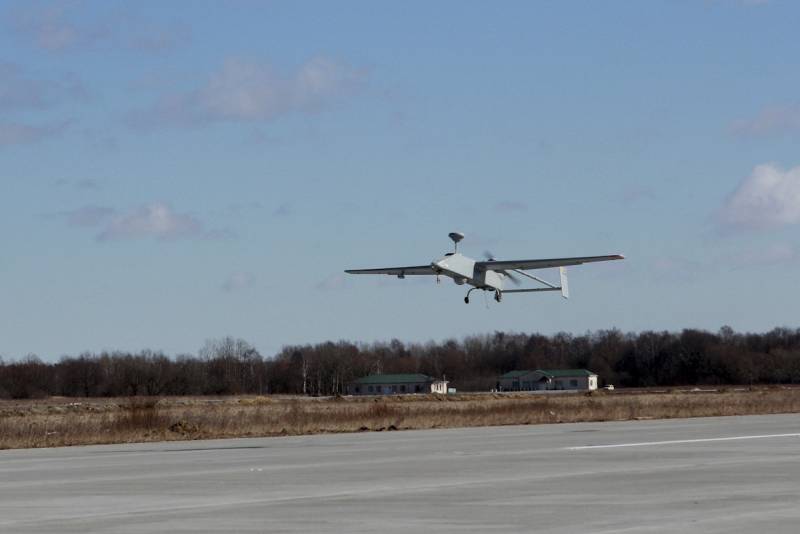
{"x": 490, "y": 275}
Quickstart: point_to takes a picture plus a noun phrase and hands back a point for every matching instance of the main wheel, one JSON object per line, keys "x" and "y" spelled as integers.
{"x": 466, "y": 300}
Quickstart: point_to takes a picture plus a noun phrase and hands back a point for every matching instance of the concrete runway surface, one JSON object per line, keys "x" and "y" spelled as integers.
{"x": 732, "y": 474}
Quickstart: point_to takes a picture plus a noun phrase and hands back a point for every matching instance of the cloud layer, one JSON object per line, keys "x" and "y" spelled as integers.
{"x": 15, "y": 133}
{"x": 768, "y": 198}
{"x": 49, "y": 27}
{"x": 156, "y": 220}
{"x": 772, "y": 120}
{"x": 70, "y": 26}
{"x": 242, "y": 91}
{"x": 19, "y": 92}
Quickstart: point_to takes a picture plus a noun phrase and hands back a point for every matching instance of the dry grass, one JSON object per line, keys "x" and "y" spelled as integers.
{"x": 58, "y": 422}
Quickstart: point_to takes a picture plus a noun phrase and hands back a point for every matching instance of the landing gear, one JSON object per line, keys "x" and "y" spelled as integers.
{"x": 466, "y": 299}
{"x": 498, "y": 295}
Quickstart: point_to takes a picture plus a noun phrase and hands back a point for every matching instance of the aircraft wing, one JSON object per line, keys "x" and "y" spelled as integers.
{"x": 502, "y": 265}
{"x": 397, "y": 271}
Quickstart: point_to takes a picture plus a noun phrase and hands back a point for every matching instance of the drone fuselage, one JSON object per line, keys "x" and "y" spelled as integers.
{"x": 462, "y": 270}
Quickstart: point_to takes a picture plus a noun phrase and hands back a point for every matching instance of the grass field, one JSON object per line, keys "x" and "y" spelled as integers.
{"x": 61, "y": 421}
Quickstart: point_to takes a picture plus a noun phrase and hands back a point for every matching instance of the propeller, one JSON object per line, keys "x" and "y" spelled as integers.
{"x": 490, "y": 257}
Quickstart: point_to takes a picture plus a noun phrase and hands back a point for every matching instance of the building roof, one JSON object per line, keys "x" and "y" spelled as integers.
{"x": 515, "y": 374}
{"x": 550, "y": 373}
{"x": 407, "y": 378}
{"x": 560, "y": 373}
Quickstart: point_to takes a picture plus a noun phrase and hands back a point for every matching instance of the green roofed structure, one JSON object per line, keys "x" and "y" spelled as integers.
{"x": 396, "y": 384}
{"x": 548, "y": 380}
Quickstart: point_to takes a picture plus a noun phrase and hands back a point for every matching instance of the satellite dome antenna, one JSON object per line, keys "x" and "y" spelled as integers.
{"x": 456, "y": 237}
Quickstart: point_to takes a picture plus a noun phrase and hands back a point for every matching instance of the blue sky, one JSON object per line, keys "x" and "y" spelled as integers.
{"x": 172, "y": 172}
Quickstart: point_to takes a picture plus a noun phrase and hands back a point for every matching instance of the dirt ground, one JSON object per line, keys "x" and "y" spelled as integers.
{"x": 62, "y": 421}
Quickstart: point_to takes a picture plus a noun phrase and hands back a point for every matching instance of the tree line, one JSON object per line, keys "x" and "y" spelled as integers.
{"x": 233, "y": 366}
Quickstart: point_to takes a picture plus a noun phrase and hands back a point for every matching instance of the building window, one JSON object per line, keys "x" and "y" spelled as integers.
{"x": 369, "y": 389}
{"x": 573, "y": 383}
{"x": 403, "y": 389}
{"x": 358, "y": 390}
{"x": 417, "y": 388}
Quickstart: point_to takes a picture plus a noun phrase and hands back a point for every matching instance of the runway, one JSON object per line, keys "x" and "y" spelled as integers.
{"x": 732, "y": 474}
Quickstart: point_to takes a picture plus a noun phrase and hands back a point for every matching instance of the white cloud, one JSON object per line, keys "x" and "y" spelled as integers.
{"x": 69, "y": 26}
{"x": 244, "y": 91}
{"x": 768, "y": 198}
{"x": 772, "y": 120}
{"x": 239, "y": 281}
{"x": 20, "y": 91}
{"x": 48, "y": 27}
{"x": 13, "y": 133}
{"x": 156, "y": 220}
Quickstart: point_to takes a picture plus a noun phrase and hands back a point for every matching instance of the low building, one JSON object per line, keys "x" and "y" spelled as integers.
{"x": 396, "y": 384}
{"x": 548, "y": 380}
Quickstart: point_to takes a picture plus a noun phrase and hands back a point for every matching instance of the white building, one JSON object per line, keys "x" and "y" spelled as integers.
{"x": 396, "y": 384}
{"x": 548, "y": 379}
